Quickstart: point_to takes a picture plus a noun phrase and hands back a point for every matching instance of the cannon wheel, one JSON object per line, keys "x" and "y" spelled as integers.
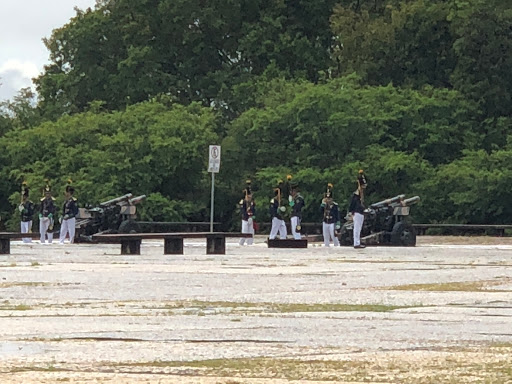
{"x": 345, "y": 236}
{"x": 403, "y": 234}
{"x": 129, "y": 226}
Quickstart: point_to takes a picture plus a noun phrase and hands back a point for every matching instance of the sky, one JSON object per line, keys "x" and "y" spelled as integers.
{"x": 23, "y": 25}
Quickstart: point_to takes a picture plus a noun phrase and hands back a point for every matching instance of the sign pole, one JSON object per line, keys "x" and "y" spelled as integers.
{"x": 213, "y": 167}
{"x": 212, "y": 198}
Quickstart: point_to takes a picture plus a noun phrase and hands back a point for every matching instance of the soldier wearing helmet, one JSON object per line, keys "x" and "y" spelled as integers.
{"x": 248, "y": 212}
{"x": 331, "y": 217}
{"x": 357, "y": 208}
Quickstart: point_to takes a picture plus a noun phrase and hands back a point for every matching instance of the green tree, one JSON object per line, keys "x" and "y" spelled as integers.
{"x": 149, "y": 148}
{"x": 484, "y": 54}
{"x": 405, "y": 43}
{"x": 128, "y": 51}
{"x": 474, "y": 189}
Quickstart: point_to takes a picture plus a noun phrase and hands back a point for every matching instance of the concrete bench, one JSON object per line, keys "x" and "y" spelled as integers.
{"x": 287, "y": 243}
{"x": 421, "y": 229}
{"x": 6, "y": 237}
{"x": 173, "y": 242}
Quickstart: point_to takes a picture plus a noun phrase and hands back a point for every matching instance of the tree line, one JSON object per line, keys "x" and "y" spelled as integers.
{"x": 416, "y": 93}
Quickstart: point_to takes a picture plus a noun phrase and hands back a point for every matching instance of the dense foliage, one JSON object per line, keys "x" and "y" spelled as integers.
{"x": 415, "y": 92}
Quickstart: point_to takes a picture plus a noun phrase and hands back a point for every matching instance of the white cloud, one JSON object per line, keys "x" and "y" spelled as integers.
{"x": 15, "y": 75}
{"x": 26, "y": 68}
{"x": 22, "y": 26}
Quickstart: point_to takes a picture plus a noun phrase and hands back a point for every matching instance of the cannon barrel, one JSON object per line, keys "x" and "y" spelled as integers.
{"x": 386, "y": 202}
{"x": 133, "y": 200}
{"x": 410, "y": 201}
{"x": 116, "y": 200}
{"x": 137, "y": 199}
{"x": 407, "y": 202}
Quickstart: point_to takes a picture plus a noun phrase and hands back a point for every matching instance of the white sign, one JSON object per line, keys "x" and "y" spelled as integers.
{"x": 214, "y": 160}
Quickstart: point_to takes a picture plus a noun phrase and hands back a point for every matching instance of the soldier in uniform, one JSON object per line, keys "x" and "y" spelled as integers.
{"x": 296, "y": 201}
{"x": 47, "y": 215}
{"x": 248, "y": 212}
{"x": 276, "y": 213}
{"x": 357, "y": 208}
{"x": 331, "y": 217}
{"x": 69, "y": 212}
{"x": 26, "y": 209}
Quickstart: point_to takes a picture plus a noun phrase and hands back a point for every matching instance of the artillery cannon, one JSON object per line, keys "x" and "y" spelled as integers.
{"x": 386, "y": 222}
{"x": 112, "y": 216}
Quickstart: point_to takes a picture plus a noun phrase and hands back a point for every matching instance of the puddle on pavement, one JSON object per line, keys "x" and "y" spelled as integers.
{"x": 10, "y": 349}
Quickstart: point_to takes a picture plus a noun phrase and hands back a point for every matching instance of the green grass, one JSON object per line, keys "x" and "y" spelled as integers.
{"x": 458, "y": 286}
{"x": 24, "y": 284}
{"x": 201, "y": 306}
{"x": 441, "y": 369}
{"x": 19, "y": 307}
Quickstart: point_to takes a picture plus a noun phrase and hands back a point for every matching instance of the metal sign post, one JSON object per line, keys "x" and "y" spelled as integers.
{"x": 213, "y": 167}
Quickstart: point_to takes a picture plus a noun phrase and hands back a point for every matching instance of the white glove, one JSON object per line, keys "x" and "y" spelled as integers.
{"x": 282, "y": 209}
{"x": 21, "y": 207}
{"x": 290, "y": 198}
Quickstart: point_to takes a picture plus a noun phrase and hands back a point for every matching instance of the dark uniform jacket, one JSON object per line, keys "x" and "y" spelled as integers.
{"x": 330, "y": 212}
{"x": 356, "y": 205}
{"x": 47, "y": 206}
{"x": 297, "y": 206}
{"x": 274, "y": 209}
{"x": 247, "y": 210}
{"x": 70, "y": 209}
{"x": 28, "y": 211}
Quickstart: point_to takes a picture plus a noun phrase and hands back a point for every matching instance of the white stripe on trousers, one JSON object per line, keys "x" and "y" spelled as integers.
{"x": 294, "y": 221}
{"x": 328, "y": 232}
{"x": 67, "y": 226}
{"x": 247, "y": 227}
{"x": 358, "y": 225}
{"x": 44, "y": 223}
{"x": 26, "y": 227}
{"x": 278, "y": 225}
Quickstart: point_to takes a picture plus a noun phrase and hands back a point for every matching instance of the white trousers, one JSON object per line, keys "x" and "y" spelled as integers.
{"x": 247, "y": 227}
{"x": 67, "y": 226}
{"x": 328, "y": 232}
{"x": 44, "y": 223}
{"x": 294, "y": 221}
{"x": 358, "y": 224}
{"x": 278, "y": 225}
{"x": 26, "y": 227}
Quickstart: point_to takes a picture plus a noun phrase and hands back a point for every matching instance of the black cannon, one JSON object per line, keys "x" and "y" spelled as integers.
{"x": 385, "y": 223}
{"x": 112, "y": 216}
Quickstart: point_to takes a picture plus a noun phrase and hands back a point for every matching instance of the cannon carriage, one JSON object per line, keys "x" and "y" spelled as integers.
{"x": 112, "y": 216}
{"x": 386, "y": 222}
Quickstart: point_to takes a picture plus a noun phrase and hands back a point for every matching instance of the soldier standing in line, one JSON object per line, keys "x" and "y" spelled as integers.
{"x": 69, "y": 212}
{"x": 26, "y": 209}
{"x": 276, "y": 213}
{"x": 248, "y": 211}
{"x": 296, "y": 201}
{"x": 331, "y": 217}
{"x": 357, "y": 208}
{"x": 47, "y": 215}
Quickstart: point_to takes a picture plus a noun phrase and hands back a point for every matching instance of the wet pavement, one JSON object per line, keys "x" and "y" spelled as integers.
{"x": 83, "y": 313}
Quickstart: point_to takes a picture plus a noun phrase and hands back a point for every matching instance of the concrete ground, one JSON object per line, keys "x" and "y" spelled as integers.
{"x": 439, "y": 312}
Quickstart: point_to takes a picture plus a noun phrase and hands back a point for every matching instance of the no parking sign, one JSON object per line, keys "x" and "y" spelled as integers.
{"x": 214, "y": 160}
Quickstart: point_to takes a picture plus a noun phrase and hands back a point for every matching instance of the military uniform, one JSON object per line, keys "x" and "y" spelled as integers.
{"x": 296, "y": 201}
{"x": 69, "y": 212}
{"x": 276, "y": 213}
{"x": 356, "y": 208}
{"x": 26, "y": 209}
{"x": 248, "y": 212}
{"x": 47, "y": 216}
{"x": 331, "y": 217}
